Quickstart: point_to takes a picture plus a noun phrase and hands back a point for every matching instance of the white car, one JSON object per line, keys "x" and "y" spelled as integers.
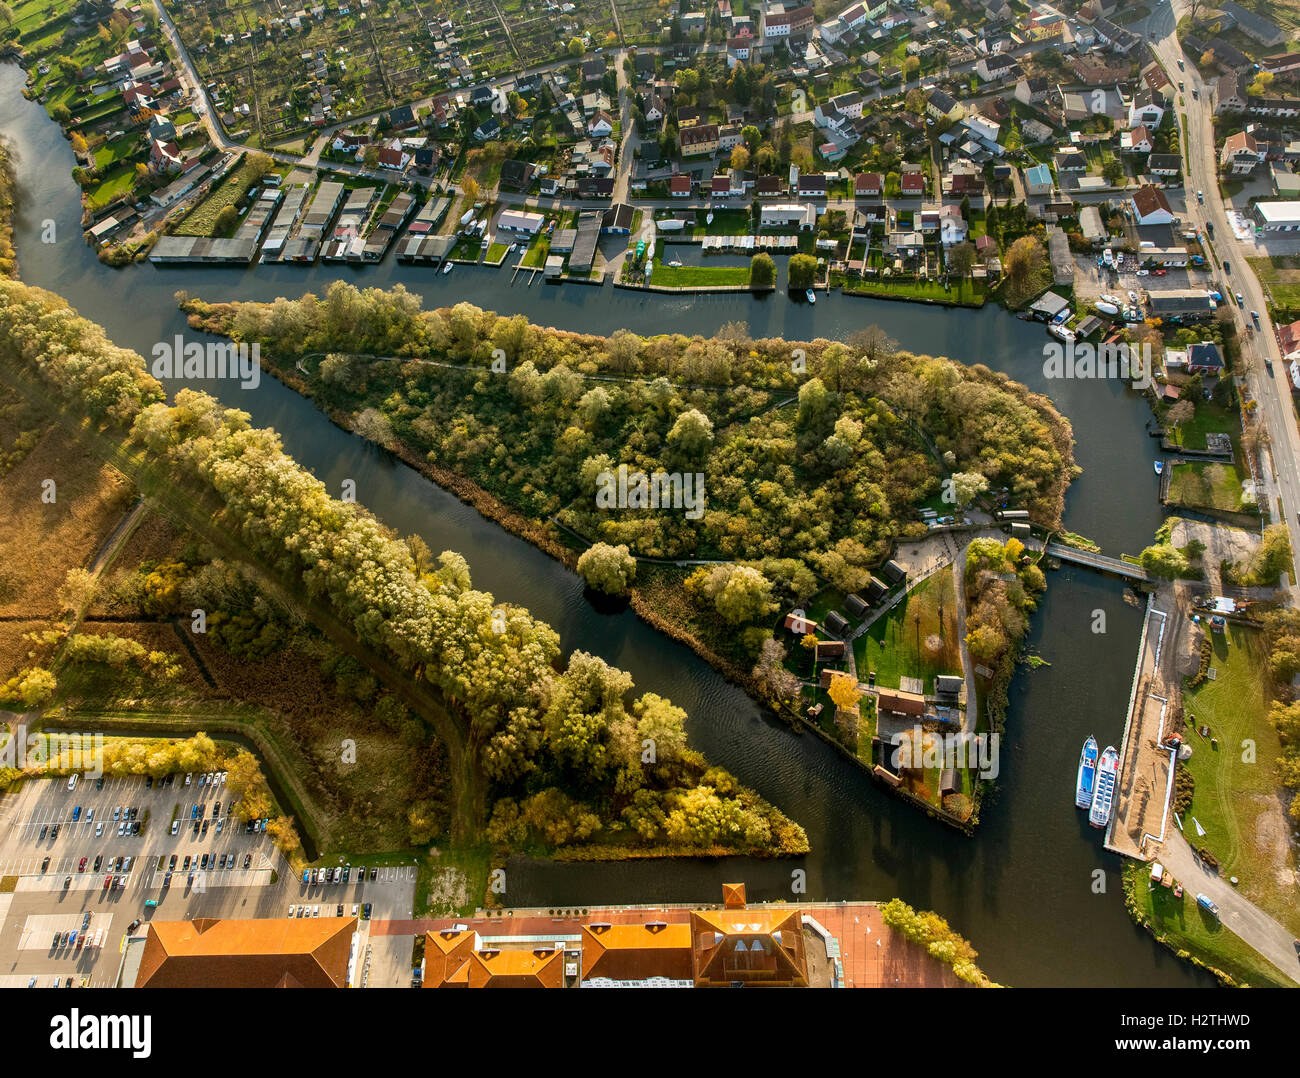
{"x": 189, "y": 777}
{"x": 176, "y": 827}
{"x": 1132, "y": 297}
{"x": 290, "y": 911}
{"x": 99, "y": 829}
{"x": 1144, "y": 273}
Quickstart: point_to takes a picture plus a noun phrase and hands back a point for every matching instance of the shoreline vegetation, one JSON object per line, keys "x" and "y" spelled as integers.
{"x": 539, "y": 750}
{"x": 667, "y": 378}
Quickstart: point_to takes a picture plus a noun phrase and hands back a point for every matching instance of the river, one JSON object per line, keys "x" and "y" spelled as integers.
{"x": 1024, "y": 889}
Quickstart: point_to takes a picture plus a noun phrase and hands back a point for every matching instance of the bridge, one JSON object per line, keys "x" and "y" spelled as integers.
{"x": 1100, "y": 562}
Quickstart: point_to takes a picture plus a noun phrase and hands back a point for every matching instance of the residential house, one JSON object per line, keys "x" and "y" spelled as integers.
{"x": 679, "y": 186}
{"x": 1165, "y": 166}
{"x": 1038, "y": 180}
{"x": 1136, "y": 141}
{"x": 1032, "y": 91}
{"x": 868, "y": 185}
{"x": 812, "y": 185}
{"x": 698, "y": 140}
{"x": 1240, "y": 153}
{"x": 1147, "y": 108}
{"x": 996, "y": 68}
{"x": 600, "y": 125}
{"x": 943, "y": 106}
{"x": 1150, "y": 206}
{"x": 912, "y": 184}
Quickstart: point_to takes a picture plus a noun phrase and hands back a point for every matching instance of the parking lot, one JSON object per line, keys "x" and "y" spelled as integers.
{"x": 125, "y": 876}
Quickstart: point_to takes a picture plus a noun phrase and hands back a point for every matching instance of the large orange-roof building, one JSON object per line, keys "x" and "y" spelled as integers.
{"x": 735, "y": 945}
{"x": 209, "y": 952}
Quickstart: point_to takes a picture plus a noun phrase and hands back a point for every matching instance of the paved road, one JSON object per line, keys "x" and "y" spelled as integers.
{"x": 1282, "y": 479}
{"x": 1238, "y": 914}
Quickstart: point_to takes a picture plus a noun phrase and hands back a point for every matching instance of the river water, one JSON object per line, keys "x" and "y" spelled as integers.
{"x": 1024, "y": 890}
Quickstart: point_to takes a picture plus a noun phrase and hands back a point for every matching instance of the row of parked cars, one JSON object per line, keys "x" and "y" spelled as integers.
{"x": 338, "y": 874}
{"x": 314, "y": 911}
{"x": 79, "y": 938}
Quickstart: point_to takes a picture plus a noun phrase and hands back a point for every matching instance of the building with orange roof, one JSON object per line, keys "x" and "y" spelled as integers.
{"x": 459, "y": 958}
{"x": 256, "y": 953}
{"x": 655, "y": 953}
{"x": 747, "y": 946}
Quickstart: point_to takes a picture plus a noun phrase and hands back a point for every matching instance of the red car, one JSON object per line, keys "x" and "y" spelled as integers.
{"x": 1160, "y": 273}
{"x": 108, "y": 881}
{"x": 82, "y": 866}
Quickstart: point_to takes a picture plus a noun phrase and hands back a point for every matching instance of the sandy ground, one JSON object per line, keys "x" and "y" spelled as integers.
{"x": 1222, "y": 543}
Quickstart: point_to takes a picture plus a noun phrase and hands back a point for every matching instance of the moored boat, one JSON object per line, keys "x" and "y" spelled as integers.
{"x": 1103, "y": 797}
{"x": 811, "y": 296}
{"x": 1086, "y": 781}
{"x": 1160, "y": 467}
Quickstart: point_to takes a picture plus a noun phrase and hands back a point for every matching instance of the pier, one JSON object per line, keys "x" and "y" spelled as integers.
{"x": 1145, "y": 786}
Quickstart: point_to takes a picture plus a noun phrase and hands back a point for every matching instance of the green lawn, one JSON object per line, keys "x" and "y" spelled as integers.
{"x": 202, "y": 220}
{"x": 1281, "y": 276}
{"x": 698, "y": 276}
{"x": 1207, "y": 485}
{"x": 1209, "y": 419}
{"x": 899, "y": 645}
{"x": 1236, "y": 797}
{"x": 965, "y": 292}
{"x": 1188, "y": 929}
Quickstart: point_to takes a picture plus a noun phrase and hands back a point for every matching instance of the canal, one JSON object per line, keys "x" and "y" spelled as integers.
{"x": 1025, "y": 889}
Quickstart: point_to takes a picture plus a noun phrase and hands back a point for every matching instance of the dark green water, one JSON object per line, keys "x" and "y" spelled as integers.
{"x": 1022, "y": 889}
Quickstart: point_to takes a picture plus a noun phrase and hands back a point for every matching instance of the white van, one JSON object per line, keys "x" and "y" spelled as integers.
{"x": 72, "y": 780}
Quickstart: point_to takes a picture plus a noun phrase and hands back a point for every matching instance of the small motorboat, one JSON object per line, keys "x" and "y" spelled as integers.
{"x": 1207, "y": 904}
{"x": 811, "y": 296}
{"x": 446, "y": 268}
{"x": 1160, "y": 467}
{"x": 674, "y": 263}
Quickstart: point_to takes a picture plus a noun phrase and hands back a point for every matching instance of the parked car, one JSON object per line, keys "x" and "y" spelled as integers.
{"x": 176, "y": 827}
{"x": 81, "y": 865}
{"x": 99, "y": 860}
{"x": 248, "y": 859}
{"x": 45, "y": 864}
{"x": 76, "y": 813}
{"x": 99, "y": 830}
{"x": 45, "y": 828}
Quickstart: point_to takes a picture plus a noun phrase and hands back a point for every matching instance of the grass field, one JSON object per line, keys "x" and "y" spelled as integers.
{"x": 918, "y": 638}
{"x": 1236, "y": 798}
{"x": 1281, "y": 276}
{"x": 1185, "y": 927}
{"x": 698, "y": 276}
{"x": 1209, "y": 419}
{"x": 202, "y": 220}
{"x": 43, "y": 539}
{"x": 965, "y": 292}
{"x": 1202, "y": 484}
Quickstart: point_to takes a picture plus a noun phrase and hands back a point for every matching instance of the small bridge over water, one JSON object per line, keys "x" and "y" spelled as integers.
{"x": 1100, "y": 562}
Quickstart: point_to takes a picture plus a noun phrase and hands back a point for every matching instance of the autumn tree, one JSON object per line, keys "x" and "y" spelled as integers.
{"x": 607, "y": 569}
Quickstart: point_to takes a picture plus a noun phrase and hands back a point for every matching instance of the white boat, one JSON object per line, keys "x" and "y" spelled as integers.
{"x": 674, "y": 263}
{"x": 811, "y": 296}
{"x": 1107, "y": 308}
{"x": 1062, "y": 332}
{"x": 1160, "y": 467}
{"x": 1086, "y": 780}
{"x": 446, "y": 268}
{"x": 1103, "y": 797}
